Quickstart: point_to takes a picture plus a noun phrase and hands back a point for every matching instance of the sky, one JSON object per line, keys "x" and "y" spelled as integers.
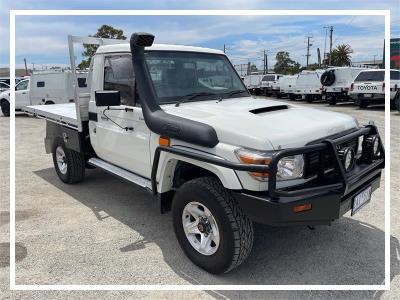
{"x": 42, "y": 40}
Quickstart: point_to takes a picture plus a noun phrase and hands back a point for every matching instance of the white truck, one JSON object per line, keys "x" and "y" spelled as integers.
{"x": 253, "y": 83}
{"x": 369, "y": 87}
{"x": 308, "y": 85}
{"x": 337, "y": 82}
{"x": 214, "y": 155}
{"x": 287, "y": 86}
{"x": 270, "y": 84}
{"x": 46, "y": 87}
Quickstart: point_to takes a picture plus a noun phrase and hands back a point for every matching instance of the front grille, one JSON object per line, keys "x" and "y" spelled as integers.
{"x": 314, "y": 161}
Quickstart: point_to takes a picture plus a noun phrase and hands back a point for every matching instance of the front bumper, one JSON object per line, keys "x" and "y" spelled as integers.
{"x": 330, "y": 196}
{"x": 327, "y": 206}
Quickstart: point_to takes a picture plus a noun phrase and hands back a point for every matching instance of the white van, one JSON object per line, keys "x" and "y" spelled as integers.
{"x": 48, "y": 87}
{"x": 253, "y": 83}
{"x": 287, "y": 86}
{"x": 308, "y": 85}
{"x": 270, "y": 84}
{"x": 337, "y": 82}
{"x": 369, "y": 87}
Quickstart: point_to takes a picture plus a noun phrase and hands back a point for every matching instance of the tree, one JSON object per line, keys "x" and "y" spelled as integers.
{"x": 313, "y": 67}
{"x": 341, "y": 56}
{"x": 253, "y": 68}
{"x": 105, "y": 31}
{"x": 285, "y": 65}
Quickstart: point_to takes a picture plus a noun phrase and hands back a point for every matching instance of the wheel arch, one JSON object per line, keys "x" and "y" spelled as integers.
{"x": 172, "y": 166}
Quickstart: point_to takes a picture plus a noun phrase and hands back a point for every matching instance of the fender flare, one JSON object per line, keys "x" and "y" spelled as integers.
{"x": 167, "y": 165}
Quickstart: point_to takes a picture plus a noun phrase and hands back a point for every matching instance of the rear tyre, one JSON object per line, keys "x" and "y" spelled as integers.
{"x": 363, "y": 104}
{"x": 309, "y": 98}
{"x": 210, "y": 226}
{"x": 5, "y": 108}
{"x": 332, "y": 100}
{"x": 49, "y": 102}
{"x": 397, "y": 101}
{"x": 69, "y": 164}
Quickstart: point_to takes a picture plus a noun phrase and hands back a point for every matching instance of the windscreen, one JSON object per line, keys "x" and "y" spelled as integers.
{"x": 395, "y": 75}
{"x": 371, "y": 76}
{"x": 192, "y": 76}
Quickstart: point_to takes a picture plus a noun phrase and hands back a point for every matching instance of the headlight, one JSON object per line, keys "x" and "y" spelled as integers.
{"x": 291, "y": 167}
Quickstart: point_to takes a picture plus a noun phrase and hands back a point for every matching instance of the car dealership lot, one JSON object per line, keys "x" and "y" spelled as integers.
{"x": 105, "y": 231}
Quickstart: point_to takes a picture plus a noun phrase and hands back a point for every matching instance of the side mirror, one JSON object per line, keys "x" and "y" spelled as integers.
{"x": 107, "y": 98}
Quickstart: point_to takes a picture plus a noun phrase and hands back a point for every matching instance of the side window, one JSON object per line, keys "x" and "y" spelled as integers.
{"x": 118, "y": 76}
{"x": 82, "y": 82}
{"x": 23, "y": 85}
{"x": 40, "y": 84}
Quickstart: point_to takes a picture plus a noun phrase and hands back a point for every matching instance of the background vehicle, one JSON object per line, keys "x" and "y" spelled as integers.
{"x": 215, "y": 156}
{"x": 337, "y": 83}
{"x": 308, "y": 85}
{"x": 4, "y": 86}
{"x": 253, "y": 83}
{"x": 17, "y": 79}
{"x": 287, "y": 86}
{"x": 47, "y": 87}
{"x": 397, "y": 100}
{"x": 270, "y": 84}
{"x": 369, "y": 87}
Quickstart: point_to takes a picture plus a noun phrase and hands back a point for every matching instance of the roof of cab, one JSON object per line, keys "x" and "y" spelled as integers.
{"x": 161, "y": 47}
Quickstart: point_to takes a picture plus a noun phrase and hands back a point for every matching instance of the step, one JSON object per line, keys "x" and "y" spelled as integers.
{"x": 121, "y": 173}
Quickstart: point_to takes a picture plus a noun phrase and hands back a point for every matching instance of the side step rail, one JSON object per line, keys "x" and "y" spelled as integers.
{"x": 121, "y": 173}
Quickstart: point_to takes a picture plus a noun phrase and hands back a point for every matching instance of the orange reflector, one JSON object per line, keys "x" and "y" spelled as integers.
{"x": 163, "y": 141}
{"x": 302, "y": 207}
{"x": 255, "y": 161}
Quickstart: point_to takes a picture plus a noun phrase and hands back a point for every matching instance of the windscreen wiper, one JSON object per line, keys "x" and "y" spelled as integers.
{"x": 231, "y": 94}
{"x": 193, "y": 96}
{"x": 236, "y": 92}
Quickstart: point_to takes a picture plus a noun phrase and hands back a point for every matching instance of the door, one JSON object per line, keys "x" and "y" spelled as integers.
{"x": 22, "y": 94}
{"x": 122, "y": 135}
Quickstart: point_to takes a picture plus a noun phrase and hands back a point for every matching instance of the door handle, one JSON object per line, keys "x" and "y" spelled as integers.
{"x": 23, "y": 93}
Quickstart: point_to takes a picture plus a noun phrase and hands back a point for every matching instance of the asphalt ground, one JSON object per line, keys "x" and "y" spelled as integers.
{"x": 105, "y": 231}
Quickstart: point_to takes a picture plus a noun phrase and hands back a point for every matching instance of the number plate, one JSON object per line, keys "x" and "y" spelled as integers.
{"x": 361, "y": 199}
{"x": 367, "y": 95}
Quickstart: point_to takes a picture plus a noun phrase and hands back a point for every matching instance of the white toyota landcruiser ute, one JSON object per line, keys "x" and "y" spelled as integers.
{"x": 369, "y": 87}
{"x": 178, "y": 121}
{"x": 270, "y": 84}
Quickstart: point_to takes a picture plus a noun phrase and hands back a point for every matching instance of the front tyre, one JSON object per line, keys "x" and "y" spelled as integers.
{"x": 69, "y": 164}
{"x": 210, "y": 226}
{"x": 5, "y": 108}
